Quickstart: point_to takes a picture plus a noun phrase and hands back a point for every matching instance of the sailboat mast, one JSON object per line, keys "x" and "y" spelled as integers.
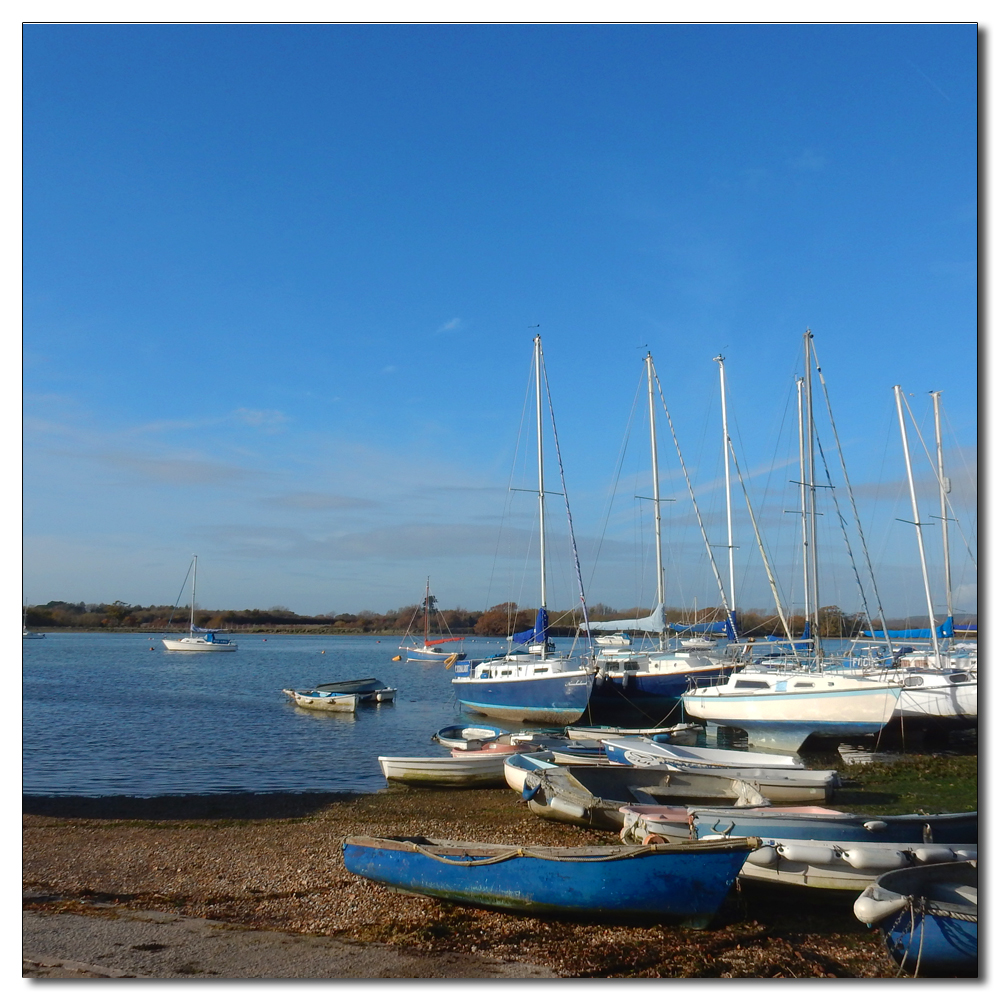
{"x": 427, "y": 601}
{"x": 194, "y": 584}
{"x": 541, "y": 465}
{"x": 729, "y": 500}
{"x": 944, "y": 488}
{"x": 806, "y": 614}
{"x": 656, "y": 490}
{"x": 811, "y": 490}
{"x": 916, "y": 519}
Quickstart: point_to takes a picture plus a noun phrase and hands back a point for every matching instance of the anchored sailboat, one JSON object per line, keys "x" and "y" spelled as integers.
{"x": 431, "y": 649}
{"x": 199, "y": 640}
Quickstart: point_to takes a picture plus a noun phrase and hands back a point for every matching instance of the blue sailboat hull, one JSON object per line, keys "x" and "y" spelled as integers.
{"x": 555, "y": 699}
{"x": 685, "y": 883}
{"x": 654, "y": 692}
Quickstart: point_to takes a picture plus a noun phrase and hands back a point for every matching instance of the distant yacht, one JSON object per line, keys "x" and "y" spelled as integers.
{"x": 199, "y": 640}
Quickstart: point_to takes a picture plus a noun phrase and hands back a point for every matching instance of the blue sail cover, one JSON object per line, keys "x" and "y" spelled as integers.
{"x": 727, "y": 627}
{"x": 943, "y": 631}
{"x": 539, "y": 633}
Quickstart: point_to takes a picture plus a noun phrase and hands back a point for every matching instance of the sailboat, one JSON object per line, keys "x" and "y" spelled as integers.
{"x": 533, "y": 683}
{"x": 199, "y": 640}
{"x": 651, "y": 682}
{"x": 431, "y": 649}
{"x": 783, "y": 701}
{"x": 26, "y": 633}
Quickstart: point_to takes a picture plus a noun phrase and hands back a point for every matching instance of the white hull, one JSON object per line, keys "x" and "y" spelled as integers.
{"x": 783, "y": 709}
{"x": 192, "y": 644}
{"x": 325, "y": 703}
{"x": 486, "y": 770}
{"x": 645, "y": 752}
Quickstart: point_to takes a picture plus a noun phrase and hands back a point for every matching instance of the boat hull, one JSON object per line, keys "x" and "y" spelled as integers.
{"x": 481, "y": 771}
{"x": 318, "y": 702}
{"x": 199, "y": 646}
{"x": 683, "y": 884}
{"x": 558, "y": 698}
{"x": 929, "y": 918}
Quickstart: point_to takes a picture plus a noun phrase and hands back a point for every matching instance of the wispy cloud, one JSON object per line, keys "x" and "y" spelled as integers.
{"x": 318, "y": 501}
{"x": 175, "y": 471}
{"x": 452, "y": 324}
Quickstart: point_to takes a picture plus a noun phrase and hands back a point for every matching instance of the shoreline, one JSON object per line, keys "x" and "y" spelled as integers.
{"x": 272, "y": 863}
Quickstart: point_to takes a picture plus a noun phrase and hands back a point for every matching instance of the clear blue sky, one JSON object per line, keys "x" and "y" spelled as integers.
{"x": 279, "y": 284}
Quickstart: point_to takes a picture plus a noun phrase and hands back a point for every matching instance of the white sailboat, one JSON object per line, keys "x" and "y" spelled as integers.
{"x": 784, "y": 702}
{"x": 536, "y": 684}
{"x": 431, "y": 649}
{"x": 199, "y": 640}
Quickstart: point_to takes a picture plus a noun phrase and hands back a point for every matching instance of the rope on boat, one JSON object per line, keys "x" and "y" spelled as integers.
{"x": 538, "y": 854}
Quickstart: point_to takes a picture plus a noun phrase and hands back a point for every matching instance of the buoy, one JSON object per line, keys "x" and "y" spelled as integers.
{"x": 323, "y": 651}
{"x": 151, "y": 649}
{"x": 396, "y": 659}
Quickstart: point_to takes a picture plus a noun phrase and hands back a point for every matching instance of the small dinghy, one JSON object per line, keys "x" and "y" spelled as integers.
{"x": 929, "y": 918}
{"x": 591, "y": 795}
{"x": 779, "y": 784}
{"x": 472, "y": 770}
{"x": 683, "y": 884}
{"x": 467, "y": 737}
{"x": 642, "y": 752}
{"x": 324, "y": 701}
{"x": 802, "y": 823}
{"x": 517, "y": 767}
{"x": 362, "y": 685}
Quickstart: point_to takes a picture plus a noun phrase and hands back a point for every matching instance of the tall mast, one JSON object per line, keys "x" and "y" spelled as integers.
{"x": 811, "y": 480}
{"x": 806, "y": 614}
{"x": 944, "y": 488}
{"x": 729, "y": 501}
{"x": 194, "y": 583}
{"x": 916, "y": 519}
{"x": 656, "y": 489}
{"x": 427, "y": 601}
{"x": 541, "y": 466}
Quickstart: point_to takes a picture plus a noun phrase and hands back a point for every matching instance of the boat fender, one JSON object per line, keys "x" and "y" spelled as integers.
{"x": 806, "y": 854}
{"x": 875, "y": 858}
{"x": 652, "y": 838}
{"x": 532, "y": 786}
{"x": 933, "y": 855}
{"x": 396, "y": 659}
{"x": 967, "y": 854}
{"x": 563, "y": 805}
{"x": 766, "y": 856}
{"x": 928, "y": 834}
{"x": 872, "y": 906}
{"x": 875, "y": 824}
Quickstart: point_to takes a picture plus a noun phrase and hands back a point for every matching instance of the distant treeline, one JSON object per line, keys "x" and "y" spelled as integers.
{"x": 500, "y": 620}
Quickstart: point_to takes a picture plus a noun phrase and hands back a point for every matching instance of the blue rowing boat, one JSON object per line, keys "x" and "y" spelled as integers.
{"x": 683, "y": 884}
{"x": 929, "y": 918}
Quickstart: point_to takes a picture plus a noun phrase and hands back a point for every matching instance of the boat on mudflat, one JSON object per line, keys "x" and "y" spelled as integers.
{"x": 592, "y": 795}
{"x": 683, "y": 884}
{"x": 928, "y": 916}
{"x": 467, "y": 737}
{"x": 643, "y": 751}
{"x": 683, "y": 733}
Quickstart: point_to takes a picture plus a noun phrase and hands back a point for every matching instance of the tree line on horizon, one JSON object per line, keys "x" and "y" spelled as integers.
{"x": 499, "y": 620}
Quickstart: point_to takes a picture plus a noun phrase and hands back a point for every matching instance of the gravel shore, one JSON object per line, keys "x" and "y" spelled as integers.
{"x": 272, "y": 863}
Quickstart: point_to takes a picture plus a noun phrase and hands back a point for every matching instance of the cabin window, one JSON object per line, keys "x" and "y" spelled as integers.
{"x": 803, "y": 684}
{"x": 958, "y": 678}
{"x": 541, "y": 670}
{"x": 752, "y": 684}
{"x": 630, "y": 665}
{"x": 913, "y": 682}
{"x": 505, "y": 673}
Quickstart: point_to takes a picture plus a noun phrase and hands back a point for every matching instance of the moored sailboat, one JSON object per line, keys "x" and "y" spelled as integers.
{"x": 199, "y": 640}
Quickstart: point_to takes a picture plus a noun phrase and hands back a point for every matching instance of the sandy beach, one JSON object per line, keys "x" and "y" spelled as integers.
{"x": 254, "y": 887}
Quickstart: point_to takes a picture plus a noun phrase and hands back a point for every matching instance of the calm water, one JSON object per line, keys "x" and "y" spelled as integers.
{"x": 106, "y": 715}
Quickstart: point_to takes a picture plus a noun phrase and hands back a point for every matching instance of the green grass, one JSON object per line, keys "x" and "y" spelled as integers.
{"x": 912, "y": 784}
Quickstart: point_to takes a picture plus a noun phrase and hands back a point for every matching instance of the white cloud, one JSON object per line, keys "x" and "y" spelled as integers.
{"x": 452, "y": 324}
{"x": 317, "y": 501}
{"x": 809, "y": 159}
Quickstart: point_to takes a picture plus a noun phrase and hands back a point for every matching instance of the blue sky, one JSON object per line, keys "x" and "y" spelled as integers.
{"x": 280, "y": 285}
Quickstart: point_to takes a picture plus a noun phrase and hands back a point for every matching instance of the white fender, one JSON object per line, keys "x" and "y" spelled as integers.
{"x": 565, "y": 806}
{"x": 875, "y": 857}
{"x": 966, "y": 853}
{"x": 765, "y": 856}
{"x": 807, "y": 854}
{"x": 933, "y": 855}
{"x": 875, "y": 824}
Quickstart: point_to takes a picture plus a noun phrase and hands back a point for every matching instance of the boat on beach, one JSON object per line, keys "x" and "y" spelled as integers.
{"x": 928, "y": 917}
{"x": 682, "y": 884}
{"x": 642, "y": 751}
{"x": 685, "y": 733}
{"x": 463, "y": 737}
{"x": 592, "y": 795}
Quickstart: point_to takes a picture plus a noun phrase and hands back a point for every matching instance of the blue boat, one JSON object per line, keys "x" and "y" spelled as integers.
{"x": 929, "y": 918}
{"x": 816, "y": 823}
{"x": 672, "y": 883}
